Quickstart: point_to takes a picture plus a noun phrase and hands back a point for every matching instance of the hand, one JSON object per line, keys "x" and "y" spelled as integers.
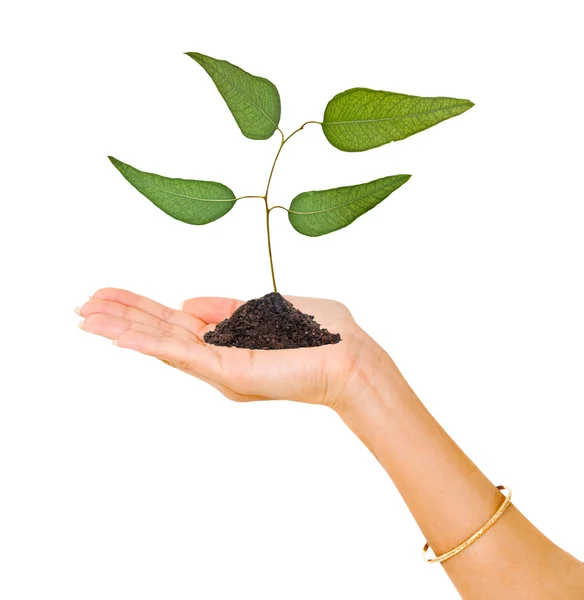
{"x": 332, "y": 375}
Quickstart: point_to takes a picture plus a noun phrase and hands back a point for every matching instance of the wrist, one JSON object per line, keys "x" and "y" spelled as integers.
{"x": 374, "y": 384}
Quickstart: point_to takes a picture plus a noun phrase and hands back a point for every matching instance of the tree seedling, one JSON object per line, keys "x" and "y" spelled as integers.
{"x": 355, "y": 120}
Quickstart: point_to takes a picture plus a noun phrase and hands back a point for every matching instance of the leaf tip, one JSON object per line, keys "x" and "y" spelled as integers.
{"x": 403, "y": 179}
{"x": 400, "y": 179}
{"x": 196, "y": 56}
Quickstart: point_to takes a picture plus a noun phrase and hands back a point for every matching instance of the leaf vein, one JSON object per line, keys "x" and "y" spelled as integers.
{"x": 250, "y": 100}
{"x": 360, "y": 121}
{"x": 315, "y": 212}
{"x": 191, "y": 197}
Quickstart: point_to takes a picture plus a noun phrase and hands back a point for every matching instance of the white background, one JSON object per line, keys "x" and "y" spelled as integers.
{"x": 121, "y": 478}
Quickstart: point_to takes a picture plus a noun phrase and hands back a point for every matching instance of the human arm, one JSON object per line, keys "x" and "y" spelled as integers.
{"x": 447, "y": 494}
{"x": 450, "y": 499}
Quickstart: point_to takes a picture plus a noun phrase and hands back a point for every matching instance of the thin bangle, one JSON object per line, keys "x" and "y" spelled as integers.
{"x": 474, "y": 537}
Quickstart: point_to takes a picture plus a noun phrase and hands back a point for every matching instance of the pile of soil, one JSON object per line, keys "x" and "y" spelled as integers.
{"x": 270, "y": 323}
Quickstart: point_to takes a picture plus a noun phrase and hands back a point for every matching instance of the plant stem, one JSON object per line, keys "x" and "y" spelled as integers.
{"x": 270, "y": 245}
{"x": 242, "y": 197}
{"x": 268, "y": 210}
{"x": 265, "y": 196}
{"x": 301, "y": 128}
{"x": 274, "y": 163}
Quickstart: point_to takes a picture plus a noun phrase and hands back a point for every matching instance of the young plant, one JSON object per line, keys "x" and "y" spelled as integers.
{"x": 355, "y": 120}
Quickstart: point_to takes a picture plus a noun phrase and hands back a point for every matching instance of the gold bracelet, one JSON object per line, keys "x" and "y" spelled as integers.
{"x": 476, "y": 536}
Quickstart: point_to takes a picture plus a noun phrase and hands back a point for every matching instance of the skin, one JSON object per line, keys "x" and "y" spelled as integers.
{"x": 449, "y": 497}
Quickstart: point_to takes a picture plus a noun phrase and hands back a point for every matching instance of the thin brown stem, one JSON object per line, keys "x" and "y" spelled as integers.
{"x": 278, "y": 206}
{"x": 274, "y": 163}
{"x": 270, "y": 246}
{"x": 265, "y": 196}
{"x": 242, "y": 197}
{"x": 301, "y": 128}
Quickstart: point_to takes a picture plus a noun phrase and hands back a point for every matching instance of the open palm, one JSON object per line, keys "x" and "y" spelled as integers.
{"x": 323, "y": 375}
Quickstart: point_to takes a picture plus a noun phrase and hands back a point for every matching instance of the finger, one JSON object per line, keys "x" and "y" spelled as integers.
{"x": 185, "y": 355}
{"x": 160, "y": 311}
{"x": 112, "y": 327}
{"x": 134, "y": 315}
{"x": 211, "y": 310}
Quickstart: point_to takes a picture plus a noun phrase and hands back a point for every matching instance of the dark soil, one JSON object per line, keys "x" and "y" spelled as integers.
{"x": 270, "y": 323}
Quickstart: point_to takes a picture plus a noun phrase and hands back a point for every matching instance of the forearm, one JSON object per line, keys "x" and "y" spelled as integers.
{"x": 450, "y": 498}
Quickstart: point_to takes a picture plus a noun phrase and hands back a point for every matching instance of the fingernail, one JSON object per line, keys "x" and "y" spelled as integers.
{"x": 80, "y": 325}
{"x": 115, "y": 342}
{"x": 77, "y": 309}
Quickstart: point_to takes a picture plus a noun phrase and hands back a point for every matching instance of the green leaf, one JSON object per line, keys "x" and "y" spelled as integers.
{"x": 360, "y": 119}
{"x": 253, "y": 101}
{"x": 320, "y": 212}
{"x": 188, "y": 200}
